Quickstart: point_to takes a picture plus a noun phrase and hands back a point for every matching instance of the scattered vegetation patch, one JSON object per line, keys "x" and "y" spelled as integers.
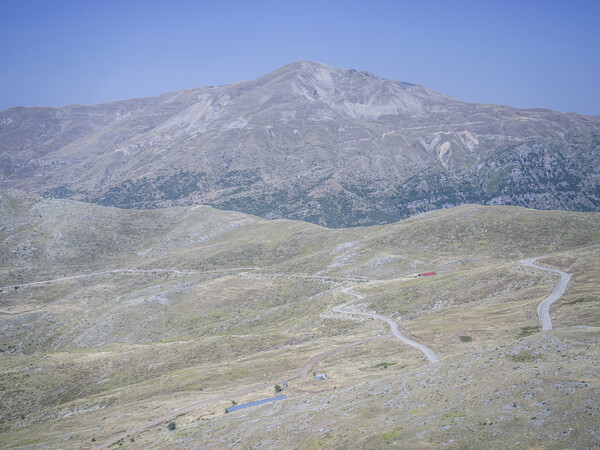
{"x": 497, "y": 180}
{"x": 454, "y": 415}
{"x": 315, "y": 444}
{"x": 524, "y": 357}
{"x": 384, "y": 365}
{"x": 579, "y": 300}
{"x": 529, "y": 330}
{"x": 465, "y": 338}
{"x": 392, "y": 435}
{"x": 172, "y": 426}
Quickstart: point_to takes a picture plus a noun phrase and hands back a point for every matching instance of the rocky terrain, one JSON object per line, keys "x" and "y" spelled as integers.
{"x": 139, "y": 299}
{"x": 308, "y": 141}
{"x": 115, "y": 323}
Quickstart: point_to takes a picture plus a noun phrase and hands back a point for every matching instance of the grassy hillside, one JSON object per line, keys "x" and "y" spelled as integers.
{"x": 135, "y": 315}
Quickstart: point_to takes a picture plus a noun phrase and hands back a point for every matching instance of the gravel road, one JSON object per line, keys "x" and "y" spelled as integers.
{"x": 431, "y": 356}
{"x": 559, "y": 290}
{"x": 134, "y": 271}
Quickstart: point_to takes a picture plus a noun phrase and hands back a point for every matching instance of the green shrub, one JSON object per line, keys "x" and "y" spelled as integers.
{"x": 526, "y": 331}
{"x": 524, "y": 357}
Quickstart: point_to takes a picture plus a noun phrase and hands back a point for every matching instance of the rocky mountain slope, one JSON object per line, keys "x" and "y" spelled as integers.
{"x": 308, "y": 141}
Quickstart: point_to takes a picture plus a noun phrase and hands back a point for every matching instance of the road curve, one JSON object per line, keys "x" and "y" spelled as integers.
{"x": 431, "y": 356}
{"x": 544, "y": 307}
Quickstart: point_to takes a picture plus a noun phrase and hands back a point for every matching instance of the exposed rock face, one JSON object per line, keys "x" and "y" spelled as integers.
{"x": 308, "y": 141}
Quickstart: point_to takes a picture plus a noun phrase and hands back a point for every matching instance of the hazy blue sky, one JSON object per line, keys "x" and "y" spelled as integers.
{"x": 521, "y": 53}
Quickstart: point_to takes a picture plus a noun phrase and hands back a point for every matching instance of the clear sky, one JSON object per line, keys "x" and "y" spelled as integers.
{"x": 523, "y": 53}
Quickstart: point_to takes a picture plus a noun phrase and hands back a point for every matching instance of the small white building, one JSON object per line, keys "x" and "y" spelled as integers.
{"x": 320, "y": 376}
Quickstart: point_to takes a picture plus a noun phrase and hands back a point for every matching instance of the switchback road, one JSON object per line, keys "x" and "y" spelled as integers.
{"x": 559, "y": 290}
{"x": 431, "y": 356}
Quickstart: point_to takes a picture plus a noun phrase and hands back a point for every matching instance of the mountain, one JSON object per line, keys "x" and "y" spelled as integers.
{"x": 308, "y": 141}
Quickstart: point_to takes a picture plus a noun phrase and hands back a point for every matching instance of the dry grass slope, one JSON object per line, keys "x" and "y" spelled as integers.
{"x": 85, "y": 359}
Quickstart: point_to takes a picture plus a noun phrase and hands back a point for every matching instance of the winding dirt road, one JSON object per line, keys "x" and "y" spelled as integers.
{"x": 258, "y": 275}
{"x": 134, "y": 271}
{"x": 243, "y": 274}
{"x": 300, "y": 373}
{"x": 544, "y": 307}
{"x": 431, "y": 356}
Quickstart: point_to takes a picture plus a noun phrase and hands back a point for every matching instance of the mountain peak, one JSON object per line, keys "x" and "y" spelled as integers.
{"x": 311, "y": 67}
{"x": 306, "y": 65}
{"x": 355, "y": 94}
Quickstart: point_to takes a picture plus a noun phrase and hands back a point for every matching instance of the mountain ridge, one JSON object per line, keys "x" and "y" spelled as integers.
{"x": 308, "y": 141}
{"x": 308, "y": 62}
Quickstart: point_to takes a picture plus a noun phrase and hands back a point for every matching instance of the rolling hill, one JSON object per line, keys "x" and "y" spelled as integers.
{"x": 115, "y": 322}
